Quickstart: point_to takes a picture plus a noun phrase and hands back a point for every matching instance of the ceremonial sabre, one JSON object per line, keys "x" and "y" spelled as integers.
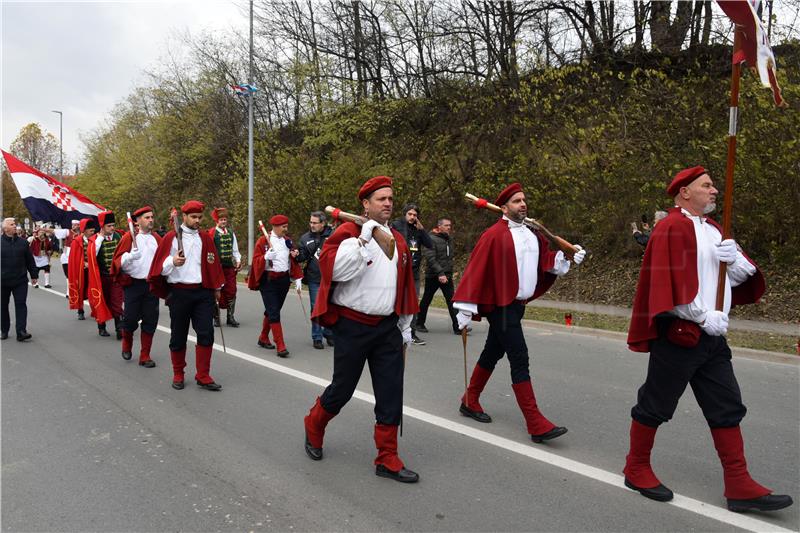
{"x": 464, "y": 342}
{"x": 131, "y": 228}
{"x": 221, "y": 333}
{"x": 562, "y": 244}
{"x": 384, "y": 240}
{"x": 300, "y": 297}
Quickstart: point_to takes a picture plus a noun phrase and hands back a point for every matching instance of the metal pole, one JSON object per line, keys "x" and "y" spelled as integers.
{"x": 250, "y": 199}
{"x": 60, "y": 144}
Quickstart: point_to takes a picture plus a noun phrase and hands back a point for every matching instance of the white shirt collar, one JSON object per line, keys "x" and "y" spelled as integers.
{"x": 190, "y": 231}
{"x": 512, "y": 224}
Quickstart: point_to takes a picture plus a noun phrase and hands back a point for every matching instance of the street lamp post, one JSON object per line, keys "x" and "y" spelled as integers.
{"x": 60, "y": 144}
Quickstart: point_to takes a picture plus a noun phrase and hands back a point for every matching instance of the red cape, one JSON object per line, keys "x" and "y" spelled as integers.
{"x": 490, "y": 279}
{"x": 125, "y": 245}
{"x": 259, "y": 265}
{"x": 36, "y": 247}
{"x": 210, "y": 265}
{"x": 97, "y": 303}
{"x": 669, "y": 277}
{"x": 405, "y": 302}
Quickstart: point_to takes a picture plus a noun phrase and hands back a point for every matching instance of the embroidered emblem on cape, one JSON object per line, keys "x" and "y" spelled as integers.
{"x": 210, "y": 257}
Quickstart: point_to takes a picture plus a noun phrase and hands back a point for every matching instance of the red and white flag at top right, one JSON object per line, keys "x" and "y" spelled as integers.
{"x": 755, "y": 50}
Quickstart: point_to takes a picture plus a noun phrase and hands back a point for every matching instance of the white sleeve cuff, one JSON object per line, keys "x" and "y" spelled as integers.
{"x": 468, "y": 307}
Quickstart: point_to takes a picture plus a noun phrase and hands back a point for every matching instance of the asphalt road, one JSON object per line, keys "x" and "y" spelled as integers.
{"x": 91, "y": 442}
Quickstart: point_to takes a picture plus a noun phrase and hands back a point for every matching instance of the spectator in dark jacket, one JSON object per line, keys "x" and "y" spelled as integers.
{"x": 438, "y": 273}
{"x": 642, "y": 237}
{"x": 309, "y": 247}
{"x": 17, "y": 263}
{"x": 415, "y": 235}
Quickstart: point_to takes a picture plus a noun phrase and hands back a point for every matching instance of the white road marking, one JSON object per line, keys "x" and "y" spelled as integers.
{"x": 692, "y": 505}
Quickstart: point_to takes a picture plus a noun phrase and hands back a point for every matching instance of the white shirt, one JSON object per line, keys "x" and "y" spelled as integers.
{"x": 237, "y": 257}
{"x": 190, "y": 272}
{"x": 140, "y": 268}
{"x": 526, "y": 250}
{"x": 62, "y": 233}
{"x": 708, "y": 272}
{"x": 366, "y": 280}
{"x": 278, "y": 254}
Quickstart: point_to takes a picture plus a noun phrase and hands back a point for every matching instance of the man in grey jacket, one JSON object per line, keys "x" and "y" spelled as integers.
{"x": 439, "y": 273}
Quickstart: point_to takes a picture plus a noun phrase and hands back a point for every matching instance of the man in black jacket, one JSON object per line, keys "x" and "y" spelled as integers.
{"x": 415, "y": 235}
{"x": 310, "y": 246}
{"x": 17, "y": 262}
{"x": 438, "y": 273}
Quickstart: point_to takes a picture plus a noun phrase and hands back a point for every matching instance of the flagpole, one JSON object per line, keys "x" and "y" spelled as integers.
{"x": 250, "y": 199}
{"x": 727, "y": 212}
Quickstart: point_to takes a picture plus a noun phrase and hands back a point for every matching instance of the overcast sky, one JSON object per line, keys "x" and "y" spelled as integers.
{"x": 84, "y": 57}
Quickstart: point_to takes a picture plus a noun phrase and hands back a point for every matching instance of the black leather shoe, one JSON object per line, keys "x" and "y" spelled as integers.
{"x": 103, "y": 332}
{"x": 403, "y": 476}
{"x": 550, "y": 435}
{"x": 22, "y": 336}
{"x": 659, "y": 494}
{"x": 210, "y": 386}
{"x": 480, "y": 417}
{"x": 283, "y": 353}
{"x": 81, "y": 316}
{"x": 232, "y": 322}
{"x": 421, "y": 329}
{"x": 3, "y": 336}
{"x": 770, "y": 502}
{"x": 127, "y": 355}
{"x": 268, "y": 345}
{"x": 177, "y": 385}
{"x": 318, "y": 345}
{"x": 314, "y": 453}
{"x": 148, "y": 364}
{"x": 329, "y": 340}
{"x": 48, "y": 286}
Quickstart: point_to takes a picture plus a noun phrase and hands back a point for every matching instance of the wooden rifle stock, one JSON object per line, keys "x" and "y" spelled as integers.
{"x": 561, "y": 243}
{"x": 265, "y": 233}
{"x": 384, "y": 240}
{"x": 176, "y": 224}
{"x": 132, "y": 229}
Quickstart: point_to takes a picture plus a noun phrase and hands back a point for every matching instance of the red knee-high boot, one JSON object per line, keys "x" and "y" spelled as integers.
{"x": 470, "y": 405}
{"x": 277, "y": 334}
{"x": 730, "y": 448}
{"x": 203, "y": 365}
{"x": 315, "y": 423}
{"x": 386, "y": 442}
{"x": 144, "y": 355}
{"x": 178, "y": 364}
{"x": 263, "y": 339}
{"x": 639, "y": 474}
{"x": 127, "y": 344}
{"x": 539, "y": 427}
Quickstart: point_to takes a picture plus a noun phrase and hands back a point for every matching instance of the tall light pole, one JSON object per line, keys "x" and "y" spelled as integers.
{"x": 60, "y": 144}
{"x": 250, "y": 199}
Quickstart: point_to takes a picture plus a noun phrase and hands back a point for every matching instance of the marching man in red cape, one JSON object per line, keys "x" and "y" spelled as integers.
{"x": 189, "y": 281}
{"x": 274, "y": 268}
{"x": 84, "y": 277}
{"x": 104, "y": 245}
{"x": 674, "y": 318}
{"x": 368, "y": 300}
{"x": 130, "y": 268}
{"x": 509, "y": 266}
{"x": 228, "y": 250}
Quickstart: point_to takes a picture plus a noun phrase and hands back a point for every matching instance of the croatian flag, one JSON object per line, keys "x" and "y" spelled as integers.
{"x": 756, "y": 50}
{"x": 48, "y": 199}
{"x": 243, "y": 89}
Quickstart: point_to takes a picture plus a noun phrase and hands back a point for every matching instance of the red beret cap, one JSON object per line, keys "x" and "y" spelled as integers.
{"x": 141, "y": 211}
{"x": 193, "y": 206}
{"x": 219, "y": 212}
{"x": 86, "y": 223}
{"x": 684, "y": 178}
{"x": 279, "y": 220}
{"x": 507, "y": 193}
{"x": 373, "y": 184}
{"x": 105, "y": 217}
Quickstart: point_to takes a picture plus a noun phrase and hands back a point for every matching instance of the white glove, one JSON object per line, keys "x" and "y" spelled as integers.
{"x": 298, "y": 284}
{"x": 726, "y": 251}
{"x": 366, "y": 230}
{"x": 406, "y": 335}
{"x": 135, "y": 253}
{"x": 579, "y": 255}
{"x": 271, "y": 254}
{"x": 464, "y": 318}
{"x": 716, "y": 323}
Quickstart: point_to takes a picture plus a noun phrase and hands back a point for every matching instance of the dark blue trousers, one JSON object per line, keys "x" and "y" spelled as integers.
{"x": 195, "y": 306}
{"x": 506, "y": 338}
{"x": 273, "y": 294}
{"x": 140, "y": 304}
{"x": 20, "y": 293}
